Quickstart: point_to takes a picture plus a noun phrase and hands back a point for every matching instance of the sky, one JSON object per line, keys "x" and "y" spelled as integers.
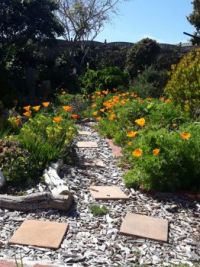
{"x": 162, "y": 20}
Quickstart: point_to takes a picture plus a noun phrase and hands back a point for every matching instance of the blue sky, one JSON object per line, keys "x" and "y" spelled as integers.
{"x": 162, "y": 20}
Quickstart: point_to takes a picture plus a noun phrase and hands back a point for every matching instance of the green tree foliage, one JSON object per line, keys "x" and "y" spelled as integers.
{"x": 142, "y": 55}
{"x": 194, "y": 18}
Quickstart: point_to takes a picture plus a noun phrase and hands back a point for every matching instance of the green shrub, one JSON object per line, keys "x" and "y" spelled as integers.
{"x": 183, "y": 85}
{"x": 16, "y": 163}
{"x": 97, "y": 210}
{"x": 150, "y": 83}
{"x": 175, "y": 168}
{"x": 108, "y": 78}
{"x": 46, "y": 140}
{"x": 142, "y": 55}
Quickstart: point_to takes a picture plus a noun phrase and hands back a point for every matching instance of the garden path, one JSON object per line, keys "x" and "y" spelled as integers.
{"x": 95, "y": 241}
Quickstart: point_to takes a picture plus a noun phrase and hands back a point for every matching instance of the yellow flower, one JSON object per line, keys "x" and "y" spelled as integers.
{"x": 112, "y": 117}
{"x": 131, "y": 134}
{"x": 67, "y": 108}
{"x": 156, "y": 151}
{"x": 45, "y": 104}
{"x": 95, "y": 113}
{"x": 94, "y": 105}
{"x": 27, "y": 114}
{"x": 57, "y": 119}
{"x": 102, "y": 109}
{"x": 27, "y": 108}
{"x": 36, "y": 108}
{"x": 129, "y": 143}
{"x": 185, "y": 135}
{"x": 140, "y": 122}
{"x": 137, "y": 153}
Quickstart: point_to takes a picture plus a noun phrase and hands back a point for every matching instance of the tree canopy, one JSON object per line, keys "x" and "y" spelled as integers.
{"x": 194, "y": 19}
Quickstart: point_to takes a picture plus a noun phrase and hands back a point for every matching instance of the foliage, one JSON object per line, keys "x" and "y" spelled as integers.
{"x": 194, "y": 18}
{"x": 108, "y": 78}
{"x": 45, "y": 139}
{"x": 160, "y": 140}
{"x": 177, "y": 159}
{"x": 150, "y": 83}
{"x": 141, "y": 55}
{"x": 97, "y": 210}
{"x": 16, "y": 163}
{"x": 183, "y": 85}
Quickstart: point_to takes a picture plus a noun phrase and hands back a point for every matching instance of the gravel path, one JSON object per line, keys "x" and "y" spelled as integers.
{"x": 95, "y": 241}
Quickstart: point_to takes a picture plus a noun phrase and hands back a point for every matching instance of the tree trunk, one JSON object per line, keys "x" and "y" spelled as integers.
{"x": 36, "y": 201}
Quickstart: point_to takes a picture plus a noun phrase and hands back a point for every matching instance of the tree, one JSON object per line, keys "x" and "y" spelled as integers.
{"x": 194, "y": 19}
{"x": 25, "y": 19}
{"x": 83, "y": 20}
{"x": 24, "y": 24}
{"x": 142, "y": 55}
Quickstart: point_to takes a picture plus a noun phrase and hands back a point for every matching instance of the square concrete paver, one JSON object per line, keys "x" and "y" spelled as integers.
{"x": 40, "y": 234}
{"x": 83, "y": 144}
{"x": 84, "y": 133}
{"x": 145, "y": 226}
{"x": 107, "y": 192}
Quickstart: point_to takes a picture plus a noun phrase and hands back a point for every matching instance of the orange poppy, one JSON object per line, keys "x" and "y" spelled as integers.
{"x": 137, "y": 153}
{"x": 57, "y": 119}
{"x": 45, "y": 104}
{"x": 67, "y": 108}
{"x": 185, "y": 136}
{"x": 140, "y": 122}
{"x": 75, "y": 116}
{"x": 27, "y": 114}
{"x": 18, "y": 121}
{"x": 36, "y": 108}
{"x": 131, "y": 134}
{"x": 27, "y": 108}
{"x": 156, "y": 151}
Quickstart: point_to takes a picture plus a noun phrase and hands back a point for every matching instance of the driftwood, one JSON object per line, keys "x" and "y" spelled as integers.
{"x": 36, "y": 201}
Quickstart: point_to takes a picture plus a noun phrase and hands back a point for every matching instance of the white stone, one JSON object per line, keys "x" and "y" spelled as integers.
{"x": 2, "y": 179}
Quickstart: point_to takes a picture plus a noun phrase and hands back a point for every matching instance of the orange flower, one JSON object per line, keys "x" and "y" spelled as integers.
{"x": 27, "y": 108}
{"x": 45, "y": 104}
{"x": 36, "y": 108}
{"x": 67, "y": 108}
{"x": 185, "y": 136}
{"x": 140, "y": 122}
{"x": 156, "y": 151}
{"x": 137, "y": 153}
{"x": 131, "y": 134}
{"x": 18, "y": 121}
{"x": 102, "y": 109}
{"x": 57, "y": 119}
{"x": 98, "y": 118}
{"x": 27, "y": 114}
{"x": 75, "y": 116}
{"x": 168, "y": 100}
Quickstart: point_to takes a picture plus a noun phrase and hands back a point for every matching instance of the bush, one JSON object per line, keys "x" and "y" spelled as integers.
{"x": 183, "y": 85}
{"x": 150, "y": 83}
{"x": 16, "y": 163}
{"x": 45, "y": 139}
{"x": 142, "y": 55}
{"x": 170, "y": 161}
{"x": 107, "y": 78}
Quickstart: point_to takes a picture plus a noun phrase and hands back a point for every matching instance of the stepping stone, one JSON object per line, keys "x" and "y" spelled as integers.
{"x": 107, "y": 193}
{"x": 89, "y": 144}
{"x": 40, "y": 234}
{"x": 95, "y": 163}
{"x": 145, "y": 226}
{"x": 84, "y": 133}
